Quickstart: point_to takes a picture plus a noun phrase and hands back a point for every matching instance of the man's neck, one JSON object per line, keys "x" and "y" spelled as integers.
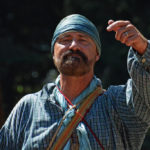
{"x": 72, "y": 86}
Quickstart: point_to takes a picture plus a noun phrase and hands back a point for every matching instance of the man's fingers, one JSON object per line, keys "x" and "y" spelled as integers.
{"x": 119, "y": 32}
{"x": 114, "y": 26}
{"x": 131, "y": 40}
{"x": 127, "y": 33}
{"x": 110, "y": 21}
{"x": 128, "y": 29}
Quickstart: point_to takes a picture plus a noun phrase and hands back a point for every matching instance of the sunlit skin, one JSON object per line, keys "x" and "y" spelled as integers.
{"x": 133, "y": 37}
{"x": 72, "y": 86}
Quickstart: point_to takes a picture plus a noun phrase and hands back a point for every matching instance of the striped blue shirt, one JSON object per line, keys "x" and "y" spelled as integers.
{"x": 120, "y": 117}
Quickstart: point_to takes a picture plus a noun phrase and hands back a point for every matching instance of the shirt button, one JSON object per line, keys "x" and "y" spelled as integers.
{"x": 143, "y": 60}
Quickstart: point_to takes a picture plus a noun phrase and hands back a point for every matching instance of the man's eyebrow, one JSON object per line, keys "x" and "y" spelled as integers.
{"x": 83, "y": 35}
{"x": 68, "y": 35}
{"x": 64, "y": 35}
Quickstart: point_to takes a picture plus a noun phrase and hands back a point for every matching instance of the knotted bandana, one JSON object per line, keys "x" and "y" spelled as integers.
{"x": 79, "y": 23}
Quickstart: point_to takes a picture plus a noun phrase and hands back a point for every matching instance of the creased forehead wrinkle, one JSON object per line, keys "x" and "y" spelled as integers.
{"x": 79, "y": 23}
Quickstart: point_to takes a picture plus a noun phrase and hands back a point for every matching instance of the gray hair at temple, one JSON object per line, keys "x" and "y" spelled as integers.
{"x": 77, "y": 22}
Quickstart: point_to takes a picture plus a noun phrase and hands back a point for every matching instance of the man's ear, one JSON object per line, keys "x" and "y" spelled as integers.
{"x": 97, "y": 57}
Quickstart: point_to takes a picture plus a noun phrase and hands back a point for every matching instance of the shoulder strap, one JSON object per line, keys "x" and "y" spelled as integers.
{"x": 80, "y": 113}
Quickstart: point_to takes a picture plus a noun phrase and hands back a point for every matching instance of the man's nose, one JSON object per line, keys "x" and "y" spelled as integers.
{"x": 74, "y": 45}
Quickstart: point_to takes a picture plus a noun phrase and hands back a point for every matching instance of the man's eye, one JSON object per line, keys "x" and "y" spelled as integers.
{"x": 65, "y": 40}
{"x": 83, "y": 40}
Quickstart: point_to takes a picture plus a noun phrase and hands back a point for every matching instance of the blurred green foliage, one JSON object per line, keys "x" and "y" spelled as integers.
{"x": 26, "y": 29}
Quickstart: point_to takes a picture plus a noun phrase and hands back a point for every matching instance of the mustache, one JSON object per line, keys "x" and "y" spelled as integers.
{"x": 77, "y": 52}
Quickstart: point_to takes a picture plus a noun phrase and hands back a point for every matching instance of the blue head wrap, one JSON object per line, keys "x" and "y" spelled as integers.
{"x": 78, "y": 23}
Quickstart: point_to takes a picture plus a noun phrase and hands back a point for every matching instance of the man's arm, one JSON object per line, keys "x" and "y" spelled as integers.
{"x": 10, "y": 133}
{"x": 138, "y": 66}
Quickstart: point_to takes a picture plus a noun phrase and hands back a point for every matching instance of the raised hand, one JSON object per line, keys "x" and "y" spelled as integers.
{"x": 128, "y": 34}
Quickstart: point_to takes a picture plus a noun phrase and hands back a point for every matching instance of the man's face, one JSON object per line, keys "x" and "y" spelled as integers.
{"x": 75, "y": 54}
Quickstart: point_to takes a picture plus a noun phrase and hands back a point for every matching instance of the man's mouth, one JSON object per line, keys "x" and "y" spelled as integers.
{"x": 72, "y": 59}
{"x": 74, "y": 56}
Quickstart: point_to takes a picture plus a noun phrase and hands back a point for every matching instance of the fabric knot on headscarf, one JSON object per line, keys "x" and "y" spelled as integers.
{"x": 77, "y": 22}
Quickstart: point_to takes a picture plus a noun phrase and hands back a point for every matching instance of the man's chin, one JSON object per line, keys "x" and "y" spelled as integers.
{"x": 73, "y": 71}
{"x": 70, "y": 74}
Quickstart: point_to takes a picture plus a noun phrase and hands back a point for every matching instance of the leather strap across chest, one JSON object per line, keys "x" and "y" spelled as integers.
{"x": 77, "y": 118}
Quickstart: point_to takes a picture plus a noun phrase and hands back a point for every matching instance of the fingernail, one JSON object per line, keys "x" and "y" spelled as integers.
{"x": 108, "y": 28}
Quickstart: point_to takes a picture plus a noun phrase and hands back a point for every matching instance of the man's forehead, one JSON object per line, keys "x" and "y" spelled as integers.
{"x": 71, "y": 33}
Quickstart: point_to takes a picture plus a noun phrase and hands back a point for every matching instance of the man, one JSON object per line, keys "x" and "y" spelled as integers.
{"x": 74, "y": 112}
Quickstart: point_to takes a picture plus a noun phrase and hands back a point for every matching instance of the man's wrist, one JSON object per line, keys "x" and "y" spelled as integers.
{"x": 141, "y": 48}
{"x": 145, "y": 57}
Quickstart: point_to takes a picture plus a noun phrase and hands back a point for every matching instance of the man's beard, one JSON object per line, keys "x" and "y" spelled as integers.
{"x": 73, "y": 63}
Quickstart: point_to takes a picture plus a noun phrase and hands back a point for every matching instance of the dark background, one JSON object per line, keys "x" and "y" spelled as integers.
{"x": 26, "y": 28}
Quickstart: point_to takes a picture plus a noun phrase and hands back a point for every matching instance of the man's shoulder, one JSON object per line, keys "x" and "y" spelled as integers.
{"x": 115, "y": 90}
{"x": 28, "y": 105}
{"x": 43, "y": 94}
{"x": 119, "y": 92}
